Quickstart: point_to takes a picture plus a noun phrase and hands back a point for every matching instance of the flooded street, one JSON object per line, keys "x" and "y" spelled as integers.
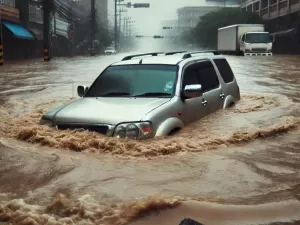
{"x": 237, "y": 166}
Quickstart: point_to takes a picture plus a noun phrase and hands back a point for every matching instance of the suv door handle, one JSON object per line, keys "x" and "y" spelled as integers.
{"x": 222, "y": 95}
{"x": 204, "y": 102}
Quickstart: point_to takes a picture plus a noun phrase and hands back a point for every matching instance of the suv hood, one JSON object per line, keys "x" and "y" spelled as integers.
{"x": 105, "y": 110}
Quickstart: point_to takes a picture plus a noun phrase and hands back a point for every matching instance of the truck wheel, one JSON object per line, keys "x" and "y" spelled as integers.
{"x": 240, "y": 53}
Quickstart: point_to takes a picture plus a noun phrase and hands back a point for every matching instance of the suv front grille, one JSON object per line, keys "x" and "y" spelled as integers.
{"x": 102, "y": 129}
{"x": 259, "y": 50}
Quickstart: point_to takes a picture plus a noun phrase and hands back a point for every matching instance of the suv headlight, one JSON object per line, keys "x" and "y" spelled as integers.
{"x": 133, "y": 130}
{"x": 47, "y": 122}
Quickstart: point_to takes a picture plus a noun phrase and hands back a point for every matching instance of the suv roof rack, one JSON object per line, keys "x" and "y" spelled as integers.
{"x": 172, "y": 53}
{"x": 189, "y": 54}
{"x": 145, "y": 54}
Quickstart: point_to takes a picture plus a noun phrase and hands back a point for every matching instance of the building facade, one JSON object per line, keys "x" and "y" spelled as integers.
{"x": 271, "y": 9}
{"x": 282, "y": 19}
{"x": 9, "y": 3}
{"x": 224, "y": 3}
{"x": 35, "y": 24}
{"x": 17, "y": 38}
{"x": 60, "y": 36}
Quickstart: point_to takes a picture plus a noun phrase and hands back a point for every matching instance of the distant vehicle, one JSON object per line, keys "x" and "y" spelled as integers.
{"x": 149, "y": 95}
{"x": 110, "y": 51}
{"x": 245, "y": 39}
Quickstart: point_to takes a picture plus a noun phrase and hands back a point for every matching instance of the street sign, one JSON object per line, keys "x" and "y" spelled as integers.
{"x": 167, "y": 28}
{"x": 158, "y": 36}
{"x": 141, "y": 5}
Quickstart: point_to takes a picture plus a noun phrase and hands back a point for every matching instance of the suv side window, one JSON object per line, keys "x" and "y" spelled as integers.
{"x": 190, "y": 76}
{"x": 225, "y": 70}
{"x": 243, "y": 37}
{"x": 207, "y": 76}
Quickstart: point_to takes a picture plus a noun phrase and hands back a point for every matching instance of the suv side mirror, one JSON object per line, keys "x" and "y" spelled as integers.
{"x": 81, "y": 90}
{"x": 193, "y": 91}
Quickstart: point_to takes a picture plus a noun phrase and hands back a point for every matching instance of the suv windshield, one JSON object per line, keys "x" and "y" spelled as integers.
{"x": 135, "y": 81}
{"x": 110, "y": 48}
{"x": 258, "y": 38}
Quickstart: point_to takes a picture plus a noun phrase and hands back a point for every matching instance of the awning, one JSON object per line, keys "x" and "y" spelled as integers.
{"x": 19, "y": 31}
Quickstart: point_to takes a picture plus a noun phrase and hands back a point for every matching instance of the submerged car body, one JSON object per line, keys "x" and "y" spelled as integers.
{"x": 144, "y": 97}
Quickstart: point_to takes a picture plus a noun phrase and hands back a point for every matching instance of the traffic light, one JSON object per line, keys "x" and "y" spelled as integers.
{"x": 158, "y": 36}
{"x": 167, "y": 28}
{"x": 141, "y": 5}
{"x": 128, "y": 4}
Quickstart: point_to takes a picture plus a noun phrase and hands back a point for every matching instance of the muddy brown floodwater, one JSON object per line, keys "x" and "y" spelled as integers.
{"x": 237, "y": 166}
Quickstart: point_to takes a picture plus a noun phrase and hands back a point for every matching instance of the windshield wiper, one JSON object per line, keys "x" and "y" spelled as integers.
{"x": 112, "y": 94}
{"x": 154, "y": 94}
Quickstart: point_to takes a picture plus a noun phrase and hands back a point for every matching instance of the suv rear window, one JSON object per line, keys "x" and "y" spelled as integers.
{"x": 225, "y": 70}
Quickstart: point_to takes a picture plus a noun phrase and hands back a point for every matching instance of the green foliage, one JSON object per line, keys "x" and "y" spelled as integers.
{"x": 104, "y": 37}
{"x": 205, "y": 33}
{"x": 187, "y": 37}
{"x": 83, "y": 32}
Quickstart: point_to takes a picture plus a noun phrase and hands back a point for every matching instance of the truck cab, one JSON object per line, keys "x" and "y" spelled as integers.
{"x": 256, "y": 43}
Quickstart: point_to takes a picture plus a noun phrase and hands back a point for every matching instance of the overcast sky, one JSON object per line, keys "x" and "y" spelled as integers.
{"x": 148, "y": 21}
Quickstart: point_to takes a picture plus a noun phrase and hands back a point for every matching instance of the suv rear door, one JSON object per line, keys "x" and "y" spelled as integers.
{"x": 231, "y": 86}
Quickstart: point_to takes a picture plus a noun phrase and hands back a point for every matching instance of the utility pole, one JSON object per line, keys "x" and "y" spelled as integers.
{"x": 93, "y": 23}
{"x": 70, "y": 28}
{"x": 120, "y": 34}
{"x": 128, "y": 5}
{"x": 54, "y": 34}
{"x": 125, "y": 33}
{"x": 119, "y": 29}
{"x": 47, "y": 6}
{"x": 116, "y": 26}
{"x": 1, "y": 40}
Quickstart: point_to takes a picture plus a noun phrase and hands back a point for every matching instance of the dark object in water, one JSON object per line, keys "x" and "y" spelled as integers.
{"x": 188, "y": 221}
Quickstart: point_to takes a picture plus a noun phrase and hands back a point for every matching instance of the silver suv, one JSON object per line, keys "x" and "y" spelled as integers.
{"x": 148, "y": 95}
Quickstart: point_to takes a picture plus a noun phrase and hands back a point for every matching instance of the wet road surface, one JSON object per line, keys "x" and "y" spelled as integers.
{"x": 246, "y": 155}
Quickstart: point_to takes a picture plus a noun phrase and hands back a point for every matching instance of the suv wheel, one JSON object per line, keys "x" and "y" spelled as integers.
{"x": 174, "y": 132}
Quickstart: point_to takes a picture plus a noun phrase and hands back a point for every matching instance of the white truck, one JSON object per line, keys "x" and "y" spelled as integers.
{"x": 245, "y": 39}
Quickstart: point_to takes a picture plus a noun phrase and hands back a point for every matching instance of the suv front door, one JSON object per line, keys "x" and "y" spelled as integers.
{"x": 211, "y": 86}
{"x": 193, "y": 108}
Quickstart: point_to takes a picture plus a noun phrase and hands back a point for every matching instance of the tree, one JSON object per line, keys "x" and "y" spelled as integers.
{"x": 102, "y": 34}
{"x": 206, "y": 32}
